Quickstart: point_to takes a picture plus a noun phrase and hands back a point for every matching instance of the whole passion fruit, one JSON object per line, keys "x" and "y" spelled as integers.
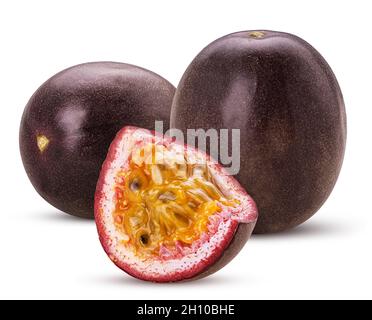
{"x": 283, "y": 96}
{"x": 167, "y": 212}
{"x": 70, "y": 121}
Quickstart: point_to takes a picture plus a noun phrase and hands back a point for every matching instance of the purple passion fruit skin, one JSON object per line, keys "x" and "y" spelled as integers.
{"x": 70, "y": 121}
{"x": 283, "y": 96}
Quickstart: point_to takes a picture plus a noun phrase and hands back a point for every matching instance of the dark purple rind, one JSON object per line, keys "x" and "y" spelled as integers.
{"x": 285, "y": 99}
{"x": 80, "y": 110}
{"x": 241, "y": 236}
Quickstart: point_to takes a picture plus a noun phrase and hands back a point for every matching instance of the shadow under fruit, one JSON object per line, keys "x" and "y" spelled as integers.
{"x": 70, "y": 121}
{"x": 283, "y": 96}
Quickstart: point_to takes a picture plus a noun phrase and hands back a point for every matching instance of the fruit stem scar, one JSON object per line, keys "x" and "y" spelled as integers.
{"x": 42, "y": 142}
{"x": 257, "y": 34}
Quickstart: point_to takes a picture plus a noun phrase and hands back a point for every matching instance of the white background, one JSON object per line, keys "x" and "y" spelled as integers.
{"x": 47, "y": 254}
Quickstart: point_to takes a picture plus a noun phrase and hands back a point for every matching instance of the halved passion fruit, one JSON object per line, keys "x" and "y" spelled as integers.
{"x": 168, "y": 212}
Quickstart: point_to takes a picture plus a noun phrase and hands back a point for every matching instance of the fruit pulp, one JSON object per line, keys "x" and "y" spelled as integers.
{"x": 164, "y": 202}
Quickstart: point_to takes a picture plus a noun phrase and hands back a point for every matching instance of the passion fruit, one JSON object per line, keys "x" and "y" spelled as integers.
{"x": 168, "y": 212}
{"x": 70, "y": 121}
{"x": 285, "y": 100}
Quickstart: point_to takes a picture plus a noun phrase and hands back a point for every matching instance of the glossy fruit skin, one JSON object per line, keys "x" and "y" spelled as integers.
{"x": 283, "y": 96}
{"x": 80, "y": 110}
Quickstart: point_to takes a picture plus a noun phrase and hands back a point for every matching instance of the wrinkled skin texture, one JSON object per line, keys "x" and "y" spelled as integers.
{"x": 80, "y": 110}
{"x": 286, "y": 101}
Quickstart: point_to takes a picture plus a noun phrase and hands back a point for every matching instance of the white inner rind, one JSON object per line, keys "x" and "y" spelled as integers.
{"x": 203, "y": 252}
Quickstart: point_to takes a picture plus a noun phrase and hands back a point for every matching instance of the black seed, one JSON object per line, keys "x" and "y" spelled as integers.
{"x": 135, "y": 185}
{"x": 144, "y": 238}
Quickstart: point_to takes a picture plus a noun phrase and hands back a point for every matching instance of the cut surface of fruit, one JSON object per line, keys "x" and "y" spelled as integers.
{"x": 163, "y": 204}
{"x": 167, "y": 212}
